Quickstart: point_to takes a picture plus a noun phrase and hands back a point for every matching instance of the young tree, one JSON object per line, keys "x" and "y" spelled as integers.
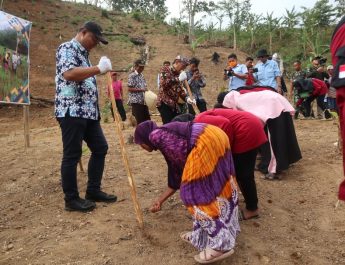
{"x": 252, "y": 25}
{"x": 192, "y": 7}
{"x": 271, "y": 25}
{"x": 324, "y": 13}
{"x": 153, "y": 8}
{"x": 181, "y": 28}
{"x": 238, "y": 13}
{"x": 218, "y": 12}
{"x": 123, "y": 5}
{"x": 291, "y": 18}
{"x": 340, "y": 7}
{"x": 315, "y": 22}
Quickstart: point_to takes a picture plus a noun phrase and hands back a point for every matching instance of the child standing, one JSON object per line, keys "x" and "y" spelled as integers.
{"x": 118, "y": 94}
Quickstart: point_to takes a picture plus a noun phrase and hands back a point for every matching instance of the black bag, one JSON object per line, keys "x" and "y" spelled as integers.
{"x": 336, "y": 81}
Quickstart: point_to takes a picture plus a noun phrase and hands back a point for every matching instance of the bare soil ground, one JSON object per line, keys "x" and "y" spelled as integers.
{"x": 298, "y": 223}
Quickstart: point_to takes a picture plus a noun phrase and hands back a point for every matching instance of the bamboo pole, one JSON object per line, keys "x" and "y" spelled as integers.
{"x": 81, "y": 165}
{"x": 26, "y": 126}
{"x": 137, "y": 207}
{"x": 195, "y": 108}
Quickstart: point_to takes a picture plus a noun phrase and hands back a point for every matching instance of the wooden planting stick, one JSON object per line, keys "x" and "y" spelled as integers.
{"x": 195, "y": 108}
{"x": 81, "y": 165}
{"x": 137, "y": 207}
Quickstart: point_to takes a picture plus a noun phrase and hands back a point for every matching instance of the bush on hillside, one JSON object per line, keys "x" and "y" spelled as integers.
{"x": 137, "y": 15}
{"x": 105, "y": 13}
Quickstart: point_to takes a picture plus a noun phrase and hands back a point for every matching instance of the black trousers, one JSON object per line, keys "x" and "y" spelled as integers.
{"x": 74, "y": 131}
{"x": 244, "y": 167}
{"x": 200, "y": 103}
{"x": 120, "y": 109}
{"x": 265, "y": 152}
{"x": 283, "y": 141}
{"x": 309, "y": 100}
{"x": 140, "y": 112}
{"x": 167, "y": 113}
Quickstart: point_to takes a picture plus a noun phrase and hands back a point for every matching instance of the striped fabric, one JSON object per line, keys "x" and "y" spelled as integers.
{"x": 209, "y": 189}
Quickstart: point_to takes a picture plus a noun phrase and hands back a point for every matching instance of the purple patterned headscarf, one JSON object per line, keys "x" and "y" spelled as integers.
{"x": 142, "y": 133}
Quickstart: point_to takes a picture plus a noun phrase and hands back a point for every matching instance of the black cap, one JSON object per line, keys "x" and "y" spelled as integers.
{"x": 262, "y": 53}
{"x": 96, "y": 30}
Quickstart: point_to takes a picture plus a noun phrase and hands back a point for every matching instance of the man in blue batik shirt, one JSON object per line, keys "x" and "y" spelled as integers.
{"x": 268, "y": 72}
{"x": 77, "y": 111}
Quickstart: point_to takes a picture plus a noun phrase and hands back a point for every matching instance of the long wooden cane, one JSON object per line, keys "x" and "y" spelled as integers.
{"x": 195, "y": 108}
{"x": 81, "y": 165}
{"x": 137, "y": 207}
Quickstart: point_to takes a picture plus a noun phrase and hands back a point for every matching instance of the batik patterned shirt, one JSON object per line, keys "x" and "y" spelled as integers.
{"x": 136, "y": 80}
{"x": 170, "y": 88}
{"x": 80, "y": 99}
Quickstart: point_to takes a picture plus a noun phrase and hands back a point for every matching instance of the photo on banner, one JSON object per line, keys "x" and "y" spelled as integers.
{"x": 14, "y": 59}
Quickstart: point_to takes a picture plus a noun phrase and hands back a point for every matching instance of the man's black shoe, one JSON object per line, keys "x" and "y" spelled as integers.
{"x": 79, "y": 205}
{"x": 100, "y": 196}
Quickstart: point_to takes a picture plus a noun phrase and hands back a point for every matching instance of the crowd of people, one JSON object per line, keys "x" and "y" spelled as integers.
{"x": 211, "y": 154}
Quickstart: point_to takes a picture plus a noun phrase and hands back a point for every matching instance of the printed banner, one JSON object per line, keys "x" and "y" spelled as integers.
{"x": 14, "y": 59}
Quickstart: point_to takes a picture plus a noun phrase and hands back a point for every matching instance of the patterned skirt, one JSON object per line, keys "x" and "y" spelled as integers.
{"x": 209, "y": 189}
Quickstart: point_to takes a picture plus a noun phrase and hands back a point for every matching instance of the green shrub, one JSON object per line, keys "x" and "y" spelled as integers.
{"x": 75, "y": 22}
{"x": 122, "y": 38}
{"x": 137, "y": 15}
{"x": 105, "y": 13}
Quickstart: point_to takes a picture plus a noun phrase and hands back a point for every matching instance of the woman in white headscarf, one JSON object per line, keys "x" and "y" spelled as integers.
{"x": 276, "y": 112}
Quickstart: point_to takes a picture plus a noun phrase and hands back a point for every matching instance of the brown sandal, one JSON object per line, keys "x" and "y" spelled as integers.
{"x": 186, "y": 236}
{"x": 212, "y": 258}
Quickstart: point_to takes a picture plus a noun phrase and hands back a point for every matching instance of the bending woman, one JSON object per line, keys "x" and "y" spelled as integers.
{"x": 200, "y": 165}
{"x": 275, "y": 111}
{"x": 246, "y": 133}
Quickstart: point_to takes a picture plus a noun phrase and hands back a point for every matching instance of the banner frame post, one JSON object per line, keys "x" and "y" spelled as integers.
{"x": 26, "y": 119}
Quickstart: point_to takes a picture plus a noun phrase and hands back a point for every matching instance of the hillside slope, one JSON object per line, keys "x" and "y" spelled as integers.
{"x": 55, "y": 22}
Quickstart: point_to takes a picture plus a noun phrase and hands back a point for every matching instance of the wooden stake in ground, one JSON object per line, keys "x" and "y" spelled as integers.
{"x": 137, "y": 207}
{"x": 26, "y": 126}
{"x": 195, "y": 108}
